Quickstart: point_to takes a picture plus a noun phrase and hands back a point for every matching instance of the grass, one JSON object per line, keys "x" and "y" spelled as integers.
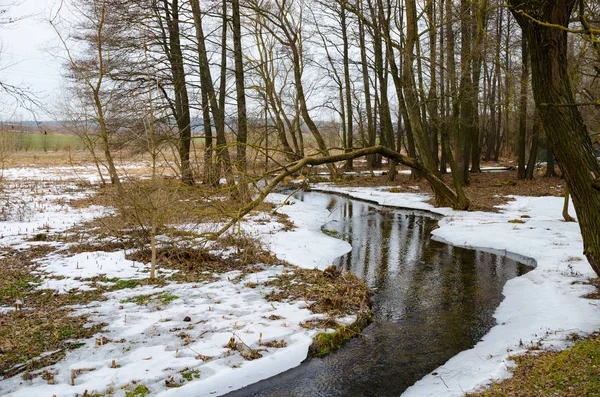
{"x": 572, "y": 372}
{"x": 328, "y": 342}
{"x": 331, "y": 292}
{"x": 45, "y": 323}
{"x": 139, "y": 391}
{"x": 163, "y": 298}
{"x": 27, "y": 141}
{"x": 25, "y": 335}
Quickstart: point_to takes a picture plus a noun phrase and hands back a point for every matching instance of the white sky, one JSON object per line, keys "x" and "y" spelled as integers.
{"x": 29, "y": 57}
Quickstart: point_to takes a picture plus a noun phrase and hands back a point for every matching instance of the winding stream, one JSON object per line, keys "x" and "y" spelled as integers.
{"x": 432, "y": 301}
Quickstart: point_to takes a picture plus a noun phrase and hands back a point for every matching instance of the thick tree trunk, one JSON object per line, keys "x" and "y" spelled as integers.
{"x": 462, "y": 133}
{"x": 562, "y": 120}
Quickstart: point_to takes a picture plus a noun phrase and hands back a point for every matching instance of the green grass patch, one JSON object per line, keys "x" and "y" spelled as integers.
{"x": 328, "y": 342}
{"x": 190, "y": 374}
{"x": 28, "y": 141}
{"x": 331, "y": 233}
{"x": 516, "y": 221}
{"x": 163, "y": 298}
{"x": 572, "y": 372}
{"x": 123, "y": 284}
{"x": 139, "y": 391}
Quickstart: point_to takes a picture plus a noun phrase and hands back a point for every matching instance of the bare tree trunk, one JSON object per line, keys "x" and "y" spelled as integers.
{"x": 561, "y": 120}
{"x": 481, "y": 19}
{"x": 462, "y": 134}
{"x": 521, "y": 173}
{"x": 535, "y": 140}
{"x": 208, "y": 177}
{"x": 207, "y": 86}
{"x": 413, "y": 102}
{"x": 433, "y": 122}
{"x": 367, "y": 88}
{"x": 242, "y": 121}
{"x": 172, "y": 45}
{"x": 348, "y": 88}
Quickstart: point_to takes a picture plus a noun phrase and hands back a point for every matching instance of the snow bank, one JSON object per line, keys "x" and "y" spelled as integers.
{"x": 305, "y": 246}
{"x": 542, "y": 307}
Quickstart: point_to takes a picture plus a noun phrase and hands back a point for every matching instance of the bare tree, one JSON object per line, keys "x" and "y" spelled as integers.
{"x": 88, "y": 72}
{"x": 545, "y": 24}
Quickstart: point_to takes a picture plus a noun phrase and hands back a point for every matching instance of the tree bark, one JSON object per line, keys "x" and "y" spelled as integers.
{"x": 535, "y": 143}
{"x": 242, "y": 120}
{"x": 348, "y": 88}
{"x": 174, "y": 53}
{"x": 521, "y": 174}
{"x": 562, "y": 120}
{"x": 207, "y": 86}
{"x": 367, "y": 89}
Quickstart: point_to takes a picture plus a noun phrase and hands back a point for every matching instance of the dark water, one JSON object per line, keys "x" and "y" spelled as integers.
{"x": 432, "y": 301}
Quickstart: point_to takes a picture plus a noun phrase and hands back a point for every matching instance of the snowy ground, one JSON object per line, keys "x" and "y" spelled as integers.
{"x": 541, "y": 308}
{"x": 176, "y": 333}
{"x": 150, "y": 341}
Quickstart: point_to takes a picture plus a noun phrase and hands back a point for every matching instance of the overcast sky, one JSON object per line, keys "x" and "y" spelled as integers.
{"x": 29, "y": 56}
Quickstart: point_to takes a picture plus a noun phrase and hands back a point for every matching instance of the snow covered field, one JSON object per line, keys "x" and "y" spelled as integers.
{"x": 179, "y": 333}
{"x": 541, "y": 308}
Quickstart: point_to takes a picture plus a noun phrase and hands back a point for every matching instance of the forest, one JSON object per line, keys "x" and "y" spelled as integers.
{"x": 346, "y": 197}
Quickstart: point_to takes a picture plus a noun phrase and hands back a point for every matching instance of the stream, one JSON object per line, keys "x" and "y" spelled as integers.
{"x": 432, "y": 301}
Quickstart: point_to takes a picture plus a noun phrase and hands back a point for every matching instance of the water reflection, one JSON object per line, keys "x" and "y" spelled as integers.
{"x": 433, "y": 301}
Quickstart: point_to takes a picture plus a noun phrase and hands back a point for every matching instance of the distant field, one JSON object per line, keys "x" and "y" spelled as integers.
{"x": 26, "y": 141}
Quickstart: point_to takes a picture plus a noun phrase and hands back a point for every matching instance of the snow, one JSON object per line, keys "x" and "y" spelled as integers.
{"x": 67, "y": 273}
{"x": 148, "y": 340}
{"x": 542, "y": 307}
{"x": 151, "y": 342}
{"x": 305, "y": 246}
{"x": 33, "y": 207}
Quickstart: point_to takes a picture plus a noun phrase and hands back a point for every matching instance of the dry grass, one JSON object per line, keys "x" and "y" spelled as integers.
{"x": 25, "y": 335}
{"x": 574, "y": 372}
{"x": 196, "y": 264}
{"x": 571, "y": 373}
{"x": 40, "y": 323}
{"x": 596, "y": 294}
{"x": 329, "y": 291}
{"x": 50, "y": 158}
